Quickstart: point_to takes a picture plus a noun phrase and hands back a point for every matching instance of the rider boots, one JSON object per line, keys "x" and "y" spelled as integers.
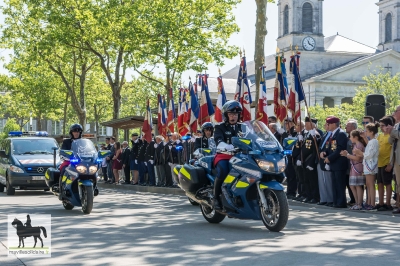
{"x": 217, "y": 191}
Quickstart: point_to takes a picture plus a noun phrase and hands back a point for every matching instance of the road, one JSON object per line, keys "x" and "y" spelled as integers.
{"x": 135, "y": 228}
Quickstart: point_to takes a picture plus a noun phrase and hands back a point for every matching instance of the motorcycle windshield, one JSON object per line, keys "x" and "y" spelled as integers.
{"x": 260, "y": 134}
{"x": 83, "y": 148}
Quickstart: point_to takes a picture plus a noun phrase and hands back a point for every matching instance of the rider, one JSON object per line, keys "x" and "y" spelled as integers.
{"x": 223, "y": 138}
{"x": 75, "y": 132}
{"x": 208, "y": 130}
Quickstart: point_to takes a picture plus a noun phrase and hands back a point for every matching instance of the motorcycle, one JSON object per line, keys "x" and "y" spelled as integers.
{"x": 80, "y": 177}
{"x": 253, "y": 188}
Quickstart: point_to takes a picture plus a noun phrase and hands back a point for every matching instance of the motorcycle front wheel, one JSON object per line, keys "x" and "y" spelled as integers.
{"x": 87, "y": 199}
{"x": 211, "y": 215}
{"x": 276, "y": 214}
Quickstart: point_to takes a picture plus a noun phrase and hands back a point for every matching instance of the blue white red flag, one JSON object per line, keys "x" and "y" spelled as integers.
{"x": 262, "y": 99}
{"x": 221, "y": 100}
{"x": 245, "y": 95}
{"x": 194, "y": 108}
{"x": 161, "y": 126}
{"x": 183, "y": 127}
{"x": 171, "y": 112}
{"x": 206, "y": 107}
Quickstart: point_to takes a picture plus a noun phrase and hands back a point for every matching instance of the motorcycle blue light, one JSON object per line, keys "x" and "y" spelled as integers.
{"x": 287, "y": 152}
{"x": 74, "y": 161}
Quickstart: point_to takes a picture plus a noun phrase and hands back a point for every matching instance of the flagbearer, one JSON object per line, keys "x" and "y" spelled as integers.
{"x": 298, "y": 160}
{"x": 223, "y": 138}
{"x": 289, "y": 171}
{"x": 310, "y": 159}
{"x": 207, "y": 141}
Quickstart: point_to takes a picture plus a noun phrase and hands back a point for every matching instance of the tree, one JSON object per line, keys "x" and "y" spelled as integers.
{"x": 261, "y": 32}
{"x": 11, "y": 125}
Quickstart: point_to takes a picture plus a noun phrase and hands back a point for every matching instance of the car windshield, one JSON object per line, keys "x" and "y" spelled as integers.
{"x": 259, "y": 133}
{"x": 33, "y": 146}
{"x": 83, "y": 148}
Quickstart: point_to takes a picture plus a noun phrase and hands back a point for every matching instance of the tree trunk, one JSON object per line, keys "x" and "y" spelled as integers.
{"x": 261, "y": 32}
{"x": 65, "y": 114}
{"x": 116, "y": 106}
{"x": 96, "y": 120}
{"x": 39, "y": 122}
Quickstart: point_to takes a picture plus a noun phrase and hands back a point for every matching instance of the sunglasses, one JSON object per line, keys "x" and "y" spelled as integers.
{"x": 208, "y": 129}
{"x": 76, "y": 130}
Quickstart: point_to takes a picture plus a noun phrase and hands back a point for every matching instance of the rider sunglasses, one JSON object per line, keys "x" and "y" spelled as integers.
{"x": 208, "y": 128}
{"x": 76, "y": 130}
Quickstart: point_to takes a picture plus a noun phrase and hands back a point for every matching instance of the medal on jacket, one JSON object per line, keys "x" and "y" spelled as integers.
{"x": 334, "y": 145}
{"x": 308, "y": 144}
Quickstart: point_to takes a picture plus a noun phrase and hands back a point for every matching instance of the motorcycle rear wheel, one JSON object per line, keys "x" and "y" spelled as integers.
{"x": 277, "y": 214}
{"x": 87, "y": 199}
{"x": 211, "y": 215}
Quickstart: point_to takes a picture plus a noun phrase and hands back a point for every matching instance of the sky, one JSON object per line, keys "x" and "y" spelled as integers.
{"x": 354, "y": 19}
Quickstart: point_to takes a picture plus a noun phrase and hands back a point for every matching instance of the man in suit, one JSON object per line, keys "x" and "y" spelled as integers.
{"x": 141, "y": 159}
{"x": 274, "y": 129}
{"x": 394, "y": 139}
{"x": 324, "y": 175}
{"x": 149, "y": 158}
{"x": 289, "y": 171}
{"x": 110, "y": 161}
{"x": 125, "y": 162}
{"x": 132, "y": 157}
{"x": 158, "y": 161}
{"x": 337, "y": 164}
{"x": 165, "y": 153}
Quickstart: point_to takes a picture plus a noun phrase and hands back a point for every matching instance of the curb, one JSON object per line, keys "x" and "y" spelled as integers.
{"x": 159, "y": 190}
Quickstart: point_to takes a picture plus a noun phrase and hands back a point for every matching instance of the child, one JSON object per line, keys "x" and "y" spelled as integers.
{"x": 370, "y": 163}
{"x": 357, "y": 180}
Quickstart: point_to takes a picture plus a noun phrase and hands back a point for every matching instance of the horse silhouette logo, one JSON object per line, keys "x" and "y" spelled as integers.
{"x": 27, "y": 230}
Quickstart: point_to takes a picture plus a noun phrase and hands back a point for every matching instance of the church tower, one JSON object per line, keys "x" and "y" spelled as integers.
{"x": 300, "y": 23}
{"x": 389, "y": 21}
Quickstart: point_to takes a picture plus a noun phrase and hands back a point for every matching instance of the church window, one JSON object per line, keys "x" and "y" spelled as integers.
{"x": 388, "y": 28}
{"x": 307, "y": 18}
{"x": 286, "y": 20}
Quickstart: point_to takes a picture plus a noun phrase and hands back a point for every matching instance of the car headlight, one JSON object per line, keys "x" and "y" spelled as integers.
{"x": 281, "y": 165}
{"x": 92, "y": 169}
{"x": 16, "y": 169}
{"x": 266, "y": 166}
{"x": 81, "y": 169}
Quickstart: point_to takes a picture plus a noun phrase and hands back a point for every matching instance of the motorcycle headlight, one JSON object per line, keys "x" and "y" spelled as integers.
{"x": 81, "y": 169}
{"x": 92, "y": 169}
{"x": 281, "y": 165}
{"x": 266, "y": 166}
{"x": 16, "y": 169}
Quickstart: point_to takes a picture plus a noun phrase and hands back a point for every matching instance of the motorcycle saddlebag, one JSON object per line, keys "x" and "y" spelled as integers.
{"x": 52, "y": 176}
{"x": 192, "y": 178}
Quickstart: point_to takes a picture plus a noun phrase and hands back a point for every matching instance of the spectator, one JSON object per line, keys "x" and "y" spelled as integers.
{"x": 357, "y": 179}
{"x": 385, "y": 168}
{"x": 126, "y": 162}
{"x": 370, "y": 163}
{"x": 109, "y": 160}
{"x": 104, "y": 164}
{"x": 350, "y": 126}
{"x": 117, "y": 162}
{"x": 141, "y": 160}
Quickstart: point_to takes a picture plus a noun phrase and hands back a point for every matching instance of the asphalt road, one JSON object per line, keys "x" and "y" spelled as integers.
{"x": 136, "y": 228}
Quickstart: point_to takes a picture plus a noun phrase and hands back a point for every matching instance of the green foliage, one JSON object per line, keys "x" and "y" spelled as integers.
{"x": 11, "y": 125}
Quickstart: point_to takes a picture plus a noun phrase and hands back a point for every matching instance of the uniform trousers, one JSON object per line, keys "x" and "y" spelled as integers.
{"x": 339, "y": 188}
{"x": 151, "y": 174}
{"x": 325, "y": 185}
{"x": 291, "y": 178}
{"x": 168, "y": 175}
{"x": 142, "y": 172}
{"x": 311, "y": 183}
{"x": 300, "y": 180}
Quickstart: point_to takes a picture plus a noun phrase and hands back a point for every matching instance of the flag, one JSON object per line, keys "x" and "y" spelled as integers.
{"x": 182, "y": 115}
{"x": 193, "y": 109}
{"x": 298, "y": 86}
{"x": 243, "y": 90}
{"x": 218, "y": 117}
{"x": 147, "y": 124}
{"x": 161, "y": 117}
{"x": 262, "y": 99}
{"x": 292, "y": 95}
{"x": 171, "y": 112}
{"x": 283, "y": 89}
{"x": 206, "y": 107}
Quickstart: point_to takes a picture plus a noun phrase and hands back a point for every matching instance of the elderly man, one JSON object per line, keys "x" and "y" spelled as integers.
{"x": 394, "y": 139}
{"x": 274, "y": 129}
{"x": 350, "y": 126}
{"x": 336, "y": 163}
{"x": 324, "y": 176}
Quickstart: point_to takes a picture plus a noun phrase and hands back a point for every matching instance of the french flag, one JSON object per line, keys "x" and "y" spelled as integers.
{"x": 262, "y": 99}
{"x": 161, "y": 117}
{"x": 194, "y": 109}
{"x": 171, "y": 112}
{"x": 244, "y": 92}
{"x": 218, "y": 117}
{"x": 182, "y": 115}
{"x": 206, "y": 107}
{"x": 147, "y": 124}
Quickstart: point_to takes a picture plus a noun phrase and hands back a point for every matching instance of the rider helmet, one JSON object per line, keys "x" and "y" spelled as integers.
{"x": 207, "y": 125}
{"x": 76, "y": 128}
{"x": 231, "y": 107}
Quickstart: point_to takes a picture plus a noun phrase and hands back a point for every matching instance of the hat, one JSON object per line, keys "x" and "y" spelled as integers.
{"x": 332, "y": 120}
{"x": 314, "y": 120}
{"x": 169, "y": 134}
{"x": 134, "y": 135}
{"x": 288, "y": 119}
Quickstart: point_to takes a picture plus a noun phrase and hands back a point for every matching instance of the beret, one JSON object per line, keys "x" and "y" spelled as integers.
{"x": 332, "y": 120}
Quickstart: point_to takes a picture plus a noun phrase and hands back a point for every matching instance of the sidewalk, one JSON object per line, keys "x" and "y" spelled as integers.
{"x": 180, "y": 192}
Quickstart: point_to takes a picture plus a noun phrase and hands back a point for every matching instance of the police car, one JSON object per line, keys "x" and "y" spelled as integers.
{"x": 24, "y": 159}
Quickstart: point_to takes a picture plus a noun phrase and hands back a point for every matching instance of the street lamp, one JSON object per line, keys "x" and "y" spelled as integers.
{"x": 30, "y": 121}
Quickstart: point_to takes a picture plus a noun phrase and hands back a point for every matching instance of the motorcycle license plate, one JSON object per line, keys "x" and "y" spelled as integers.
{"x": 37, "y": 177}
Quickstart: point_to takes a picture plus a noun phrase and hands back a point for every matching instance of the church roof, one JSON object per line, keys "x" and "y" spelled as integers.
{"x": 333, "y": 44}
{"x": 339, "y": 43}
